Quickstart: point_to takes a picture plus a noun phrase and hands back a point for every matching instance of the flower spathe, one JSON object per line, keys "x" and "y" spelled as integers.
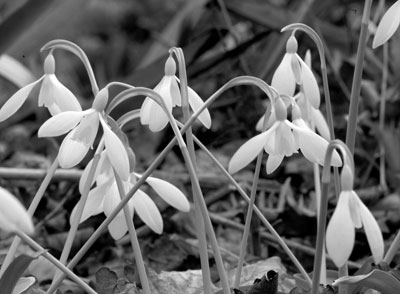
{"x": 83, "y": 127}
{"x": 351, "y": 213}
{"x": 105, "y": 197}
{"x": 52, "y": 94}
{"x": 388, "y": 25}
{"x": 13, "y": 215}
{"x": 153, "y": 115}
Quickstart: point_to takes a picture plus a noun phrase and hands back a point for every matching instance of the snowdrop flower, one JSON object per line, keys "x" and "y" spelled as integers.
{"x": 13, "y": 215}
{"x": 153, "y": 115}
{"x": 350, "y": 214}
{"x": 82, "y": 127}
{"x": 293, "y": 70}
{"x": 388, "y": 25}
{"x": 52, "y": 94}
{"x": 282, "y": 139}
{"x": 105, "y": 197}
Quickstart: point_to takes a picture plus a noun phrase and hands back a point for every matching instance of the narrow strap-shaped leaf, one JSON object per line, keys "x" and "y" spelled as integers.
{"x": 14, "y": 271}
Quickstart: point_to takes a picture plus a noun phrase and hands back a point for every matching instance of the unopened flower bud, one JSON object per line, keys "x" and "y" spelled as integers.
{"x": 291, "y": 45}
{"x": 280, "y": 109}
{"x": 347, "y": 178}
{"x": 170, "y": 66}
{"x": 101, "y": 99}
{"x": 49, "y": 66}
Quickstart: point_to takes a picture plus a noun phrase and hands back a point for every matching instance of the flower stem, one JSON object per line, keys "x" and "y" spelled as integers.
{"x": 249, "y": 215}
{"x": 382, "y": 106}
{"x": 199, "y": 218}
{"x": 55, "y": 262}
{"x": 190, "y": 160}
{"x": 134, "y": 239}
{"x": 31, "y": 210}
{"x": 81, "y": 205}
{"x": 356, "y": 85}
{"x": 257, "y": 211}
{"x": 243, "y": 80}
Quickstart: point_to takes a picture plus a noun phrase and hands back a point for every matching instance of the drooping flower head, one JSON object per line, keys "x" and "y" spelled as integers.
{"x": 52, "y": 94}
{"x": 350, "y": 214}
{"x": 104, "y": 197}
{"x": 83, "y": 127}
{"x": 293, "y": 70}
{"x": 153, "y": 115}
{"x": 282, "y": 139}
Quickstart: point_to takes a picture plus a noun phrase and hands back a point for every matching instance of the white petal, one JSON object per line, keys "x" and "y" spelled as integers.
{"x": 77, "y": 143}
{"x": 164, "y": 89}
{"x": 56, "y": 96}
{"x": 60, "y": 123}
{"x": 273, "y": 162}
{"x": 196, "y": 103}
{"x": 340, "y": 233}
{"x": 94, "y": 203}
{"x": 116, "y": 152}
{"x": 13, "y": 215}
{"x": 310, "y": 85}
{"x": 270, "y": 122}
{"x": 145, "y": 111}
{"x": 283, "y": 79}
{"x": 148, "y": 211}
{"x": 118, "y": 227}
{"x": 285, "y": 141}
{"x": 354, "y": 208}
{"x": 175, "y": 92}
{"x": 388, "y": 25}
{"x": 15, "y": 102}
{"x": 314, "y": 146}
{"x": 71, "y": 151}
{"x": 373, "y": 232}
{"x": 320, "y": 123}
{"x": 247, "y": 152}
{"x": 169, "y": 193}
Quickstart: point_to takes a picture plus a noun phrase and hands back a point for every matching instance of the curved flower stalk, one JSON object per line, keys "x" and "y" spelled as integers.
{"x": 13, "y": 215}
{"x": 153, "y": 115}
{"x": 387, "y": 26}
{"x": 82, "y": 127}
{"x": 105, "y": 197}
{"x": 282, "y": 139}
{"x": 350, "y": 214}
{"x": 52, "y": 94}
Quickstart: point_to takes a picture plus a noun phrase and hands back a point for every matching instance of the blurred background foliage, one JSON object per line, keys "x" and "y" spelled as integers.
{"x": 128, "y": 40}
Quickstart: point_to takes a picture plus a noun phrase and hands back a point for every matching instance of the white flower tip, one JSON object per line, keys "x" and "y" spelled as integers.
{"x": 387, "y": 26}
{"x": 13, "y": 215}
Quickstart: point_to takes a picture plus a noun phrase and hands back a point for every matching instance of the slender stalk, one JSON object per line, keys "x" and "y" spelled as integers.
{"x": 319, "y": 248}
{"x": 55, "y": 262}
{"x": 134, "y": 239}
{"x": 356, "y": 86}
{"x": 81, "y": 205}
{"x": 393, "y": 249}
{"x": 243, "y": 80}
{"x": 249, "y": 215}
{"x": 199, "y": 218}
{"x": 257, "y": 211}
{"x": 321, "y": 51}
{"x": 382, "y": 108}
{"x": 31, "y": 210}
{"x": 190, "y": 160}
